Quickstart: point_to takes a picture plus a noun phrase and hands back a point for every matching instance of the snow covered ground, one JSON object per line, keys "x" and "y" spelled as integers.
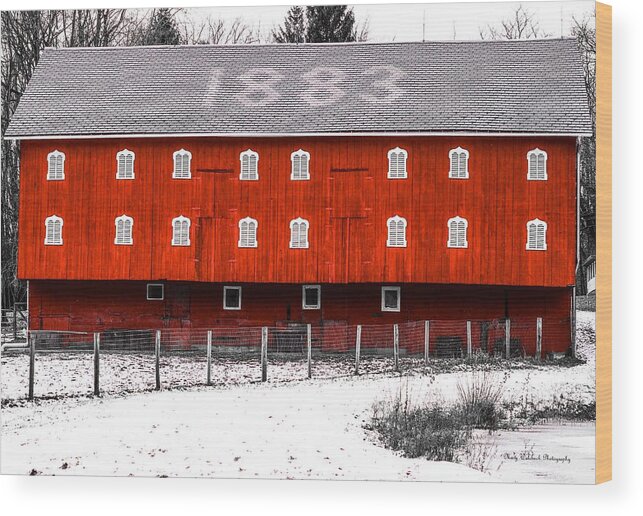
{"x": 303, "y": 429}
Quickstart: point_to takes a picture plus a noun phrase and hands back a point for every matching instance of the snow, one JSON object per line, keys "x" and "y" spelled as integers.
{"x": 298, "y": 429}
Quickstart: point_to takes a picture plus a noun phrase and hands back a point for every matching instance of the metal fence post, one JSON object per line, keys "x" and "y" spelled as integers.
{"x": 208, "y": 350}
{"x": 396, "y": 346}
{"x": 469, "y": 342}
{"x": 264, "y": 354}
{"x": 96, "y": 364}
{"x": 358, "y": 347}
{"x": 309, "y": 349}
{"x": 157, "y": 352}
{"x": 31, "y": 342}
{"x": 508, "y": 338}
{"x": 539, "y": 338}
{"x": 427, "y": 328}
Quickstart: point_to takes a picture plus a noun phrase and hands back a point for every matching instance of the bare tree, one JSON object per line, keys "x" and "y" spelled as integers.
{"x": 219, "y": 32}
{"x": 25, "y": 34}
{"x": 585, "y": 33}
{"x": 522, "y": 24}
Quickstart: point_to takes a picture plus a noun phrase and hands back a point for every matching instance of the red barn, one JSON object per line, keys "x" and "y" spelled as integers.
{"x": 332, "y": 184}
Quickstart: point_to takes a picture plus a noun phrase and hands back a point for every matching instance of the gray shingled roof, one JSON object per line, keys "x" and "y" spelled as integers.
{"x": 482, "y": 86}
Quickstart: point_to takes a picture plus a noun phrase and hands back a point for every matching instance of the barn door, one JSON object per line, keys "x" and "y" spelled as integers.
{"x": 178, "y": 307}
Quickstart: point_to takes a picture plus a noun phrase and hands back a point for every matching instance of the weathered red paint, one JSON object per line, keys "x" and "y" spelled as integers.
{"x": 91, "y": 284}
{"x": 107, "y": 305}
{"x": 347, "y": 211}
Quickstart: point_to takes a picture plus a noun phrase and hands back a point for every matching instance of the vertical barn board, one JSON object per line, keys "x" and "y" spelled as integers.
{"x": 497, "y": 194}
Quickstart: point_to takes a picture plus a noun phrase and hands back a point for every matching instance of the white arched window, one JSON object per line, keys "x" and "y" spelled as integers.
{"x": 53, "y": 230}
{"x": 300, "y": 170}
{"x": 537, "y": 165}
{"x": 299, "y": 233}
{"x": 55, "y": 166}
{"x": 182, "y": 161}
{"x": 458, "y": 232}
{"x": 248, "y": 232}
{"x": 397, "y": 163}
{"x": 459, "y": 163}
{"x": 536, "y": 235}
{"x": 249, "y": 165}
{"x": 123, "y": 230}
{"x": 125, "y": 164}
{"x": 396, "y": 232}
{"x": 181, "y": 231}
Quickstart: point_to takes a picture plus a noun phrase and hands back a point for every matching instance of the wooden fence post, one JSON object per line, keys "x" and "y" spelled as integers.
{"x": 15, "y": 323}
{"x": 396, "y": 346}
{"x": 508, "y": 338}
{"x": 264, "y": 354}
{"x": 31, "y": 342}
{"x": 539, "y": 338}
{"x": 573, "y": 321}
{"x": 469, "y": 342}
{"x": 96, "y": 364}
{"x": 427, "y": 334}
{"x": 309, "y": 349}
{"x": 208, "y": 351}
{"x": 358, "y": 347}
{"x": 157, "y": 352}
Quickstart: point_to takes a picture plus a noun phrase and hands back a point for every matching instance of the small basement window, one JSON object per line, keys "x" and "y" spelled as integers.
{"x": 55, "y": 166}
{"x": 390, "y": 299}
{"x": 125, "y": 164}
{"x": 311, "y": 297}
{"x": 249, "y": 170}
{"x": 232, "y": 298}
{"x": 182, "y": 161}
{"x": 537, "y": 165}
{"x": 300, "y": 165}
{"x": 155, "y": 292}
{"x": 397, "y": 163}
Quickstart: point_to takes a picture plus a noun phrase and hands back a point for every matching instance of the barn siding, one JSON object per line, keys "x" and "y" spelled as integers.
{"x": 106, "y": 305}
{"x": 347, "y": 211}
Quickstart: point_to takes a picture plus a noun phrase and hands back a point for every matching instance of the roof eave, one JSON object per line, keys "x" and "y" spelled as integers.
{"x": 297, "y": 135}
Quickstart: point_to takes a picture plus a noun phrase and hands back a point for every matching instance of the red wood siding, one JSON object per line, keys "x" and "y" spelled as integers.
{"x": 99, "y": 306}
{"x": 347, "y": 202}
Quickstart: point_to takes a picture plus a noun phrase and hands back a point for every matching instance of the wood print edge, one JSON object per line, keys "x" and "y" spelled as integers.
{"x": 604, "y": 243}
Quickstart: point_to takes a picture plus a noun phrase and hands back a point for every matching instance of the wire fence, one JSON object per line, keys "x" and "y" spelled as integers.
{"x": 57, "y": 364}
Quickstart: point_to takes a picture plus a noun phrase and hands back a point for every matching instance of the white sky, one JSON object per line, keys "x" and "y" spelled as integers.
{"x": 403, "y": 21}
{"x": 388, "y": 21}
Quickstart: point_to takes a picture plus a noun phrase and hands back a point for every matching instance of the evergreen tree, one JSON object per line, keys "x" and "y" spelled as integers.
{"x": 330, "y": 24}
{"x": 162, "y": 29}
{"x": 294, "y": 27}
